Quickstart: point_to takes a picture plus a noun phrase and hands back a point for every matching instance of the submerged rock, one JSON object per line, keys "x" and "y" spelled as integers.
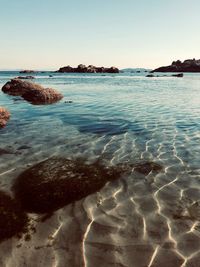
{"x": 147, "y": 167}
{"x": 141, "y": 167}
{"x": 13, "y": 220}
{"x": 56, "y": 182}
{"x": 194, "y": 210}
{"x": 32, "y": 92}
{"x": 4, "y": 117}
{"x": 5, "y": 152}
{"x": 23, "y": 147}
{"x": 25, "y": 77}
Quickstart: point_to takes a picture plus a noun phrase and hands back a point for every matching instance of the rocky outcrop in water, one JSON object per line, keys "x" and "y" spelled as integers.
{"x": 25, "y": 77}
{"x": 45, "y": 96}
{"x": 189, "y": 65}
{"x": 180, "y": 75}
{"x": 13, "y": 220}
{"x": 16, "y": 87}
{"x": 27, "y": 71}
{"x": 32, "y": 92}
{"x": 56, "y": 182}
{"x": 88, "y": 69}
{"x": 4, "y": 117}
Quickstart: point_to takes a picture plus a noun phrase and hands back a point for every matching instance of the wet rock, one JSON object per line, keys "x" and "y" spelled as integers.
{"x": 25, "y": 77}
{"x": 180, "y": 75}
{"x": 4, "y": 117}
{"x": 56, "y": 182}
{"x": 13, "y": 221}
{"x": 5, "y": 152}
{"x": 16, "y": 87}
{"x": 150, "y": 76}
{"x": 147, "y": 167}
{"x": 32, "y": 92}
{"x": 44, "y": 96}
{"x": 23, "y": 147}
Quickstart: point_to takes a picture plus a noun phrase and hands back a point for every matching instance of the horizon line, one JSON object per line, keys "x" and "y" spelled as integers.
{"x": 54, "y": 69}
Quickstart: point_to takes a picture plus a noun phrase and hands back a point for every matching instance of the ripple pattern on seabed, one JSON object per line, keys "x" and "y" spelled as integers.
{"x": 135, "y": 221}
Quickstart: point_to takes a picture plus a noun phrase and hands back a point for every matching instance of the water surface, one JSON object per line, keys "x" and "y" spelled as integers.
{"x": 137, "y": 220}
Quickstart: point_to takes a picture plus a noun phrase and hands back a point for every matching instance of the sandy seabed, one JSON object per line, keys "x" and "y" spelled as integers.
{"x": 136, "y": 221}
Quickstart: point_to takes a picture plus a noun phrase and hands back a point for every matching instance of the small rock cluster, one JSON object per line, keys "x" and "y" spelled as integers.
{"x": 32, "y": 92}
{"x": 88, "y": 69}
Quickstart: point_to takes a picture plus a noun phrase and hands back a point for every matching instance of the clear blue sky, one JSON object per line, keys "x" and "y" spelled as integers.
{"x": 125, "y": 33}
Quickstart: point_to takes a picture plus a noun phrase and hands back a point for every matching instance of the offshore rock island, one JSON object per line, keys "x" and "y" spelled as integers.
{"x": 189, "y": 65}
{"x": 88, "y": 69}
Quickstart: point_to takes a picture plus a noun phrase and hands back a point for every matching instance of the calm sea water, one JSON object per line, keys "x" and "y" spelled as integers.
{"x": 139, "y": 221}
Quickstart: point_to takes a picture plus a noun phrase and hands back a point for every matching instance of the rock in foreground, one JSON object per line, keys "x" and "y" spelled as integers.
{"x": 88, "y": 69}
{"x": 56, "y": 182}
{"x": 13, "y": 221}
{"x": 189, "y": 65}
{"x": 4, "y": 117}
{"x": 16, "y": 87}
{"x": 32, "y": 92}
{"x": 45, "y": 96}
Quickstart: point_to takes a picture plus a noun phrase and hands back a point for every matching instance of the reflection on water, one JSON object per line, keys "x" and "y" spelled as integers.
{"x": 139, "y": 220}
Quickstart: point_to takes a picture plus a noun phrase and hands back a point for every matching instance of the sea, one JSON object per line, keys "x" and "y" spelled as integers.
{"x": 138, "y": 220}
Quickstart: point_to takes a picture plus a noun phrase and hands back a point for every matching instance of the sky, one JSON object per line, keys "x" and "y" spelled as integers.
{"x": 48, "y": 34}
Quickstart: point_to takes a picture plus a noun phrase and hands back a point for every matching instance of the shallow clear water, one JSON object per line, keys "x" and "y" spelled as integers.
{"x": 137, "y": 220}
